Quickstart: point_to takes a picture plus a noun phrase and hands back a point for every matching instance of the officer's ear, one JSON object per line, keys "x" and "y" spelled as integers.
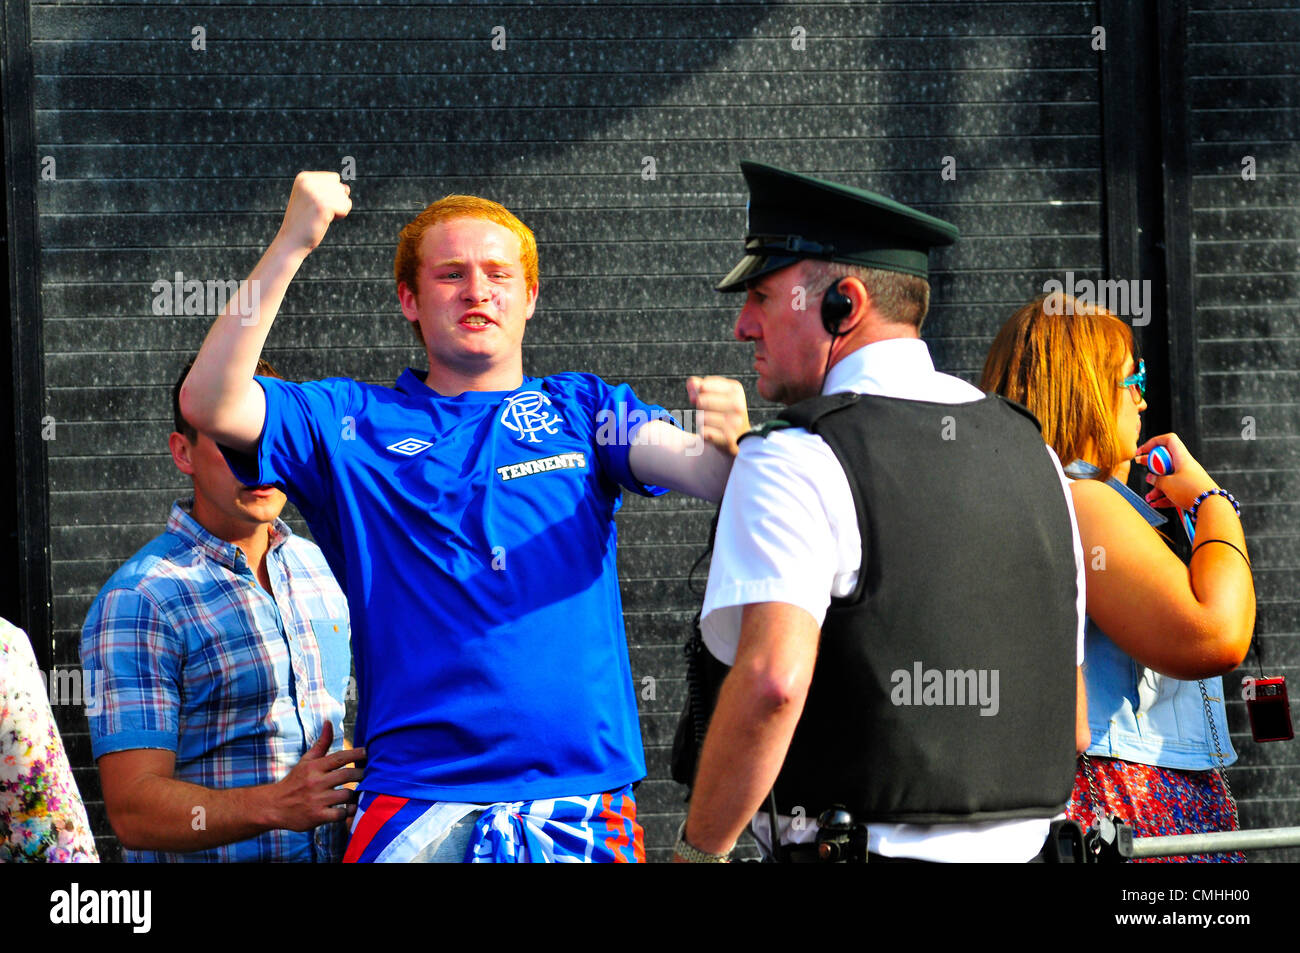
{"x": 861, "y": 307}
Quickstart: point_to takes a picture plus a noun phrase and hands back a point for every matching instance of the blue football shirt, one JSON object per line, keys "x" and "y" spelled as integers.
{"x": 475, "y": 539}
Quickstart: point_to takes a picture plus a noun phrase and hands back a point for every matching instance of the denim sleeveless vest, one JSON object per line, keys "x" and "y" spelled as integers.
{"x": 1137, "y": 714}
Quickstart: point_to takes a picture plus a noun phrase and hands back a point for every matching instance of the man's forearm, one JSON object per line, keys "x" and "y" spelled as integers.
{"x": 165, "y": 814}
{"x": 758, "y": 709}
{"x": 695, "y": 464}
{"x": 709, "y": 473}
{"x": 664, "y": 455}
{"x": 215, "y": 394}
{"x": 219, "y": 396}
{"x": 746, "y": 745}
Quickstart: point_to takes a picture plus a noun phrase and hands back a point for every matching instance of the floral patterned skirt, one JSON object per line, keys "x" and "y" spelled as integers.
{"x": 1157, "y": 802}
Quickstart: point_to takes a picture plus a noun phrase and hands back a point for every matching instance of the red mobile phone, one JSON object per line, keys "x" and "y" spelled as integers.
{"x": 1269, "y": 708}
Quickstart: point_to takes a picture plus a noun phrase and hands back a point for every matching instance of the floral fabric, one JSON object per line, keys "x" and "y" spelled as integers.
{"x": 1156, "y": 802}
{"x": 41, "y": 813}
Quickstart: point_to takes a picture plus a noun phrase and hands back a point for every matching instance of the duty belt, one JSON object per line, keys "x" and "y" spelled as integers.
{"x": 845, "y": 842}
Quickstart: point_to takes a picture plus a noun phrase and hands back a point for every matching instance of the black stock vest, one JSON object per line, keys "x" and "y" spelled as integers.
{"x": 944, "y": 687}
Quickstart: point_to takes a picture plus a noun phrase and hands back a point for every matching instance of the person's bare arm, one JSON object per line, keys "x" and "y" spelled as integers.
{"x": 151, "y": 810}
{"x": 695, "y": 464}
{"x": 1182, "y": 621}
{"x": 1082, "y": 733}
{"x": 758, "y": 708}
{"x": 220, "y": 397}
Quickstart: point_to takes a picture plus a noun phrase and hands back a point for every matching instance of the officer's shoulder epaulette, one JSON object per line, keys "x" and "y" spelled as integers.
{"x": 804, "y": 414}
{"x": 771, "y": 426}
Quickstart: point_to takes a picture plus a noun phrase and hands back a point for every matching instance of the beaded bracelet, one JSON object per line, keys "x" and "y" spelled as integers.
{"x": 1209, "y": 493}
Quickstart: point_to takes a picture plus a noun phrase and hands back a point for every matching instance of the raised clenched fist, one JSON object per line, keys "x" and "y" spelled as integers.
{"x": 721, "y": 412}
{"x": 317, "y": 200}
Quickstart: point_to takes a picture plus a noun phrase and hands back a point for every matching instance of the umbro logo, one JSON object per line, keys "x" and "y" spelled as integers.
{"x": 410, "y": 446}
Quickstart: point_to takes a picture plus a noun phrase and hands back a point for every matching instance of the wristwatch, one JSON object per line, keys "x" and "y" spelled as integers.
{"x": 693, "y": 855}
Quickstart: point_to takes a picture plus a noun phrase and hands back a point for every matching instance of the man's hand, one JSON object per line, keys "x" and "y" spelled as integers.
{"x": 318, "y": 200}
{"x": 311, "y": 794}
{"x": 722, "y": 415}
{"x": 149, "y": 809}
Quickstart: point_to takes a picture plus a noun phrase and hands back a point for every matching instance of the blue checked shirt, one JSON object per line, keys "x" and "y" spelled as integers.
{"x": 188, "y": 653}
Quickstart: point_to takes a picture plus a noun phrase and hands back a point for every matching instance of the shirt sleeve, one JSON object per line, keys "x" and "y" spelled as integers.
{"x": 775, "y": 540}
{"x": 619, "y": 414}
{"x": 132, "y": 657}
{"x": 303, "y": 426}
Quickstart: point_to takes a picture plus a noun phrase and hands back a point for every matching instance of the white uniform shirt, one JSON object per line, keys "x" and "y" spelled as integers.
{"x": 788, "y": 532}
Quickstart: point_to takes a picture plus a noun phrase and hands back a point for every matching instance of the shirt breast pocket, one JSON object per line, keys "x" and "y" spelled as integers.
{"x": 332, "y": 640}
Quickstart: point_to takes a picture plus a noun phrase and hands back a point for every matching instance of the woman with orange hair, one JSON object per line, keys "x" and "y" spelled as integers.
{"x": 1159, "y": 633}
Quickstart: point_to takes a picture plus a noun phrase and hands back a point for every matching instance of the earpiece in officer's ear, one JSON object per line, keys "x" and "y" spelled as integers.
{"x": 836, "y": 306}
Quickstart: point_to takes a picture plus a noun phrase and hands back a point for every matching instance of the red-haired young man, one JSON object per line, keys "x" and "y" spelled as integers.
{"x": 469, "y": 513}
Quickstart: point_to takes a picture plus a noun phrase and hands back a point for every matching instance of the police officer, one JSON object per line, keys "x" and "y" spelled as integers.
{"x": 896, "y": 580}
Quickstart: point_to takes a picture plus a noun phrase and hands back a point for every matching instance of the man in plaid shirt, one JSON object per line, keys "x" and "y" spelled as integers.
{"x": 221, "y": 649}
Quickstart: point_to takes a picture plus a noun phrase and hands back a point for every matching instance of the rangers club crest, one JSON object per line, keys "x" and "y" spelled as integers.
{"x": 529, "y": 414}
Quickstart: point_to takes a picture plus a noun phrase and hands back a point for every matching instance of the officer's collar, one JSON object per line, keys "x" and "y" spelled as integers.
{"x": 870, "y": 368}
